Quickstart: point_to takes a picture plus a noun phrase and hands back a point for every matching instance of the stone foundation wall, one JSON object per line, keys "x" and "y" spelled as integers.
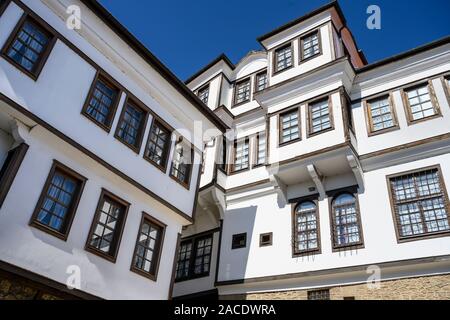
{"x": 420, "y": 288}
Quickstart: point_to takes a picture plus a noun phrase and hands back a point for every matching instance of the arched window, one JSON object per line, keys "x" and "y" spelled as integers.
{"x": 306, "y": 228}
{"x": 345, "y": 221}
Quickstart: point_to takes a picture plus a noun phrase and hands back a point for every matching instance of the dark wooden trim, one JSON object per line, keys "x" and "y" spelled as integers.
{"x": 43, "y": 56}
{"x": 257, "y": 74}
{"x": 187, "y": 184}
{"x": 430, "y": 235}
{"x": 332, "y": 195}
{"x": 368, "y": 114}
{"x": 174, "y": 266}
{"x": 335, "y": 271}
{"x": 92, "y": 155}
{"x": 219, "y": 250}
{"x": 433, "y": 98}
{"x": 237, "y": 246}
{"x": 275, "y": 70}
{"x": 232, "y": 169}
{"x": 309, "y": 133}
{"x": 120, "y": 225}
{"x": 45, "y": 283}
{"x": 309, "y": 252}
{"x": 301, "y": 41}
{"x": 141, "y": 132}
{"x": 3, "y": 5}
{"x": 112, "y": 113}
{"x": 264, "y": 243}
{"x": 236, "y": 83}
{"x": 280, "y": 125}
{"x": 203, "y": 87}
{"x": 256, "y": 139}
{"x": 70, "y": 215}
{"x": 221, "y": 57}
{"x": 167, "y": 147}
{"x": 148, "y": 218}
{"x": 446, "y": 86}
{"x": 200, "y": 234}
{"x": 10, "y": 168}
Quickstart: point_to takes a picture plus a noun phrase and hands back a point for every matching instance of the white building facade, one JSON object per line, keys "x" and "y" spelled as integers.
{"x": 333, "y": 182}
{"x": 99, "y": 156}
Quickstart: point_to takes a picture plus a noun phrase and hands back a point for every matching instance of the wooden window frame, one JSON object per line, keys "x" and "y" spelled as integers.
{"x": 369, "y": 118}
{"x": 88, "y": 247}
{"x": 186, "y": 184}
{"x": 194, "y": 245}
{"x": 237, "y": 246}
{"x": 168, "y": 147}
{"x": 223, "y": 152}
{"x": 70, "y": 215}
{"x": 235, "y": 91}
{"x": 309, "y": 116}
{"x": 280, "y": 126}
{"x": 101, "y": 76}
{"x": 333, "y": 195}
{"x": 302, "y": 59}
{"x": 402, "y": 239}
{"x": 10, "y": 168}
{"x": 136, "y": 148}
{"x": 258, "y": 74}
{"x": 202, "y": 88}
{"x": 325, "y": 292}
{"x": 267, "y": 243}
{"x": 445, "y": 84}
{"x": 232, "y": 166}
{"x": 3, "y": 5}
{"x": 295, "y": 251}
{"x": 275, "y": 70}
{"x": 44, "y": 55}
{"x": 256, "y": 148}
{"x": 433, "y": 99}
{"x": 151, "y": 220}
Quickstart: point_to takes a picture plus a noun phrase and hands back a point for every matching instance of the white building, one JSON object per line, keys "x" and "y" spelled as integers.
{"x": 95, "y": 182}
{"x": 336, "y": 173}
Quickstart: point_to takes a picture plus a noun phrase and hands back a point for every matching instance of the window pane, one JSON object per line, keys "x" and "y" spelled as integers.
{"x": 131, "y": 124}
{"x": 261, "y": 148}
{"x": 289, "y": 126}
{"x": 147, "y": 247}
{"x": 182, "y": 163}
{"x": 242, "y": 91}
{"x": 420, "y": 103}
{"x": 311, "y": 45}
{"x": 306, "y": 227}
{"x": 380, "y": 113}
{"x": 283, "y": 58}
{"x": 261, "y": 81}
{"x": 101, "y": 101}
{"x": 345, "y": 220}
{"x": 319, "y": 116}
{"x": 241, "y": 155}
{"x": 203, "y": 94}
{"x": 158, "y": 144}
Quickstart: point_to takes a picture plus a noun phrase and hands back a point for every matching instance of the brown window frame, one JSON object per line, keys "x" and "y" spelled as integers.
{"x": 235, "y": 245}
{"x": 201, "y": 89}
{"x": 319, "y": 294}
{"x": 3, "y": 5}
{"x": 185, "y": 184}
{"x": 43, "y": 56}
{"x": 162, "y": 226}
{"x": 257, "y": 75}
{"x": 135, "y": 103}
{"x": 309, "y": 116}
{"x": 280, "y": 126}
{"x": 233, "y": 165}
{"x": 444, "y": 194}
{"x": 223, "y": 155}
{"x": 369, "y": 118}
{"x": 101, "y": 76}
{"x": 295, "y": 251}
{"x": 117, "y": 232}
{"x": 70, "y": 215}
{"x": 235, "y": 91}
{"x": 167, "y": 148}
{"x": 301, "y": 49}
{"x": 193, "y": 256}
{"x": 266, "y": 243}
{"x": 433, "y": 100}
{"x": 275, "y": 70}
{"x": 9, "y": 169}
{"x": 332, "y": 195}
{"x": 445, "y": 83}
{"x": 256, "y": 152}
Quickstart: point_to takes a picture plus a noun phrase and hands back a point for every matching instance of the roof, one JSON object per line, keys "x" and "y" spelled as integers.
{"x": 151, "y": 59}
{"x": 221, "y": 57}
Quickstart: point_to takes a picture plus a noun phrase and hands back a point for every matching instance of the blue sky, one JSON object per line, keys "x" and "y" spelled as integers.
{"x": 186, "y": 35}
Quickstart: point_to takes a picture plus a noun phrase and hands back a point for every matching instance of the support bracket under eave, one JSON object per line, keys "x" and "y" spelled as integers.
{"x": 18, "y": 131}
{"x": 356, "y": 167}
{"x": 279, "y": 185}
{"x": 318, "y": 180}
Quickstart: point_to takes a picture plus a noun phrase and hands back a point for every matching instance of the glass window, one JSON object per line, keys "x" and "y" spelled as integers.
{"x": 101, "y": 102}
{"x": 419, "y": 203}
{"x": 194, "y": 258}
{"x": 148, "y": 247}
{"x": 239, "y": 241}
{"x": 310, "y": 45}
{"x": 261, "y": 148}
{"x": 223, "y": 154}
{"x": 319, "y": 115}
{"x": 182, "y": 163}
{"x": 346, "y": 225}
{"x": 319, "y": 295}
{"x": 131, "y": 125}
{"x": 261, "y": 81}
{"x": 306, "y": 227}
{"x": 241, "y": 155}
{"x": 242, "y": 91}
{"x": 108, "y": 225}
{"x": 380, "y": 113}
{"x": 203, "y": 94}
{"x": 28, "y": 47}
{"x": 283, "y": 58}
{"x": 158, "y": 145}
{"x": 289, "y": 125}
{"x": 420, "y": 103}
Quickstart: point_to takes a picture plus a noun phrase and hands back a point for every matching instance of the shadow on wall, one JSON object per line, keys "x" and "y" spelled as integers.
{"x": 240, "y": 221}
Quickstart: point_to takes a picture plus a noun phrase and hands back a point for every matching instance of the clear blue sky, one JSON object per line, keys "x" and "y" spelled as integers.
{"x": 186, "y": 35}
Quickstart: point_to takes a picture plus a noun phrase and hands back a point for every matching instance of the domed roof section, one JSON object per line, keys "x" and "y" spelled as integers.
{"x": 251, "y": 62}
